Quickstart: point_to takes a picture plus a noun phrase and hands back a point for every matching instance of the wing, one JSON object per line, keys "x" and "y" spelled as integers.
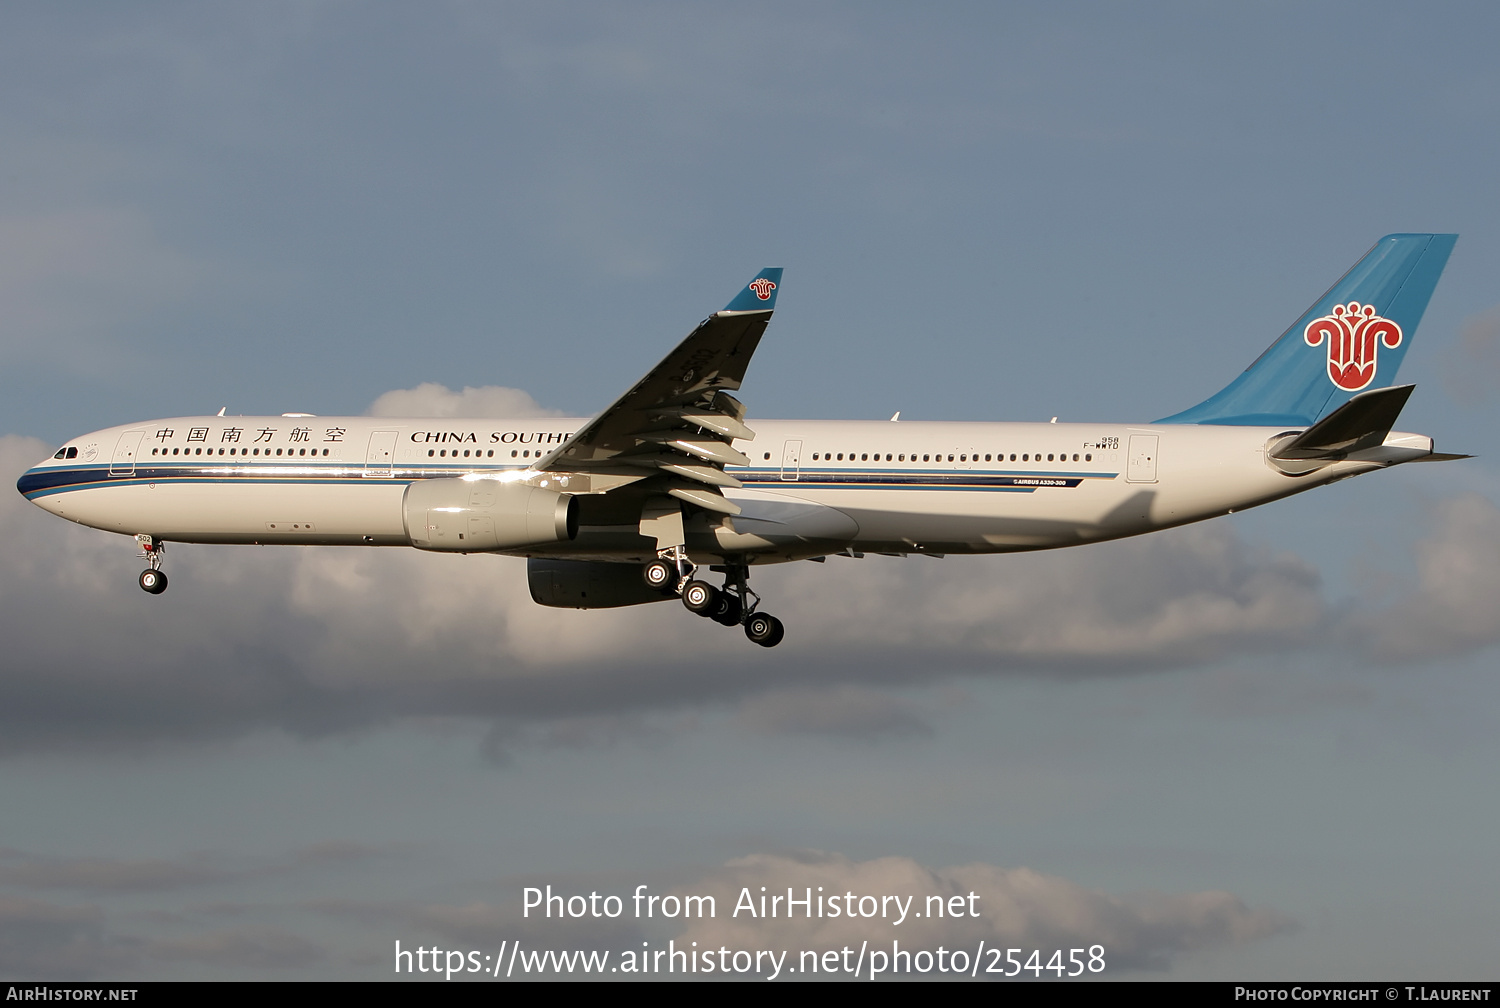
{"x": 678, "y": 421}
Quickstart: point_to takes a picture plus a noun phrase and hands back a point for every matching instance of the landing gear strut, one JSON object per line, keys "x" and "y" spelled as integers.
{"x": 153, "y": 579}
{"x": 732, "y": 605}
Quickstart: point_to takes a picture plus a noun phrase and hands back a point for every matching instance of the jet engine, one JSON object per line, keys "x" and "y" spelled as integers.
{"x": 472, "y": 516}
{"x": 587, "y": 584}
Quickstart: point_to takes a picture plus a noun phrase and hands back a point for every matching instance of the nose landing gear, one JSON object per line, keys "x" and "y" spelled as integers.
{"x": 153, "y": 579}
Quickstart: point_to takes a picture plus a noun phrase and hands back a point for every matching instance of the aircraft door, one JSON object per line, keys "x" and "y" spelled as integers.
{"x": 1140, "y": 464}
{"x": 126, "y": 449}
{"x": 791, "y": 460}
{"x": 380, "y": 453}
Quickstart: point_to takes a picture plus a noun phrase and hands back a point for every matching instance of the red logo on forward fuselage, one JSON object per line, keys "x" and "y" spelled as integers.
{"x": 762, "y": 288}
{"x": 1352, "y": 332}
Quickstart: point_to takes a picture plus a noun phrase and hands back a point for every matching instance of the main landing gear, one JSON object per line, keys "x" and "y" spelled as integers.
{"x": 153, "y": 579}
{"x": 732, "y": 605}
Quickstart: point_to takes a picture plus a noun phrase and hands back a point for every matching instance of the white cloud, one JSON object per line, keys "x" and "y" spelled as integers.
{"x": 430, "y": 399}
{"x": 1016, "y": 908}
{"x": 1456, "y": 605}
{"x": 1183, "y": 596}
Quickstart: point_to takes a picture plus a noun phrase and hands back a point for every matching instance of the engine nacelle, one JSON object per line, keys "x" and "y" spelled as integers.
{"x": 587, "y": 584}
{"x": 472, "y": 516}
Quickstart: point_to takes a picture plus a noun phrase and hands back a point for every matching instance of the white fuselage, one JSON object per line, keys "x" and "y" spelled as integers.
{"x": 813, "y": 487}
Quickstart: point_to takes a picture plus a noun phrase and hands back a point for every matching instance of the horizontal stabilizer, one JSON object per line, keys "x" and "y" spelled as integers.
{"x": 1441, "y": 457}
{"x": 1362, "y": 422}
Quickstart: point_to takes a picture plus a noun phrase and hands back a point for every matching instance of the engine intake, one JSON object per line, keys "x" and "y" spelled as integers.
{"x": 472, "y": 516}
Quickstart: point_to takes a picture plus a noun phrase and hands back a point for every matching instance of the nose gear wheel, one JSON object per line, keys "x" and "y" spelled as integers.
{"x": 153, "y": 579}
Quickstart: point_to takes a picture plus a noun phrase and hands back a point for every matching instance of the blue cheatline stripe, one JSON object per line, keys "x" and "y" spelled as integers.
{"x": 43, "y": 482}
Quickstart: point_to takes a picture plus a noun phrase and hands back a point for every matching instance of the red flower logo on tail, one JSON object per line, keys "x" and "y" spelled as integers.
{"x": 1352, "y": 332}
{"x": 762, "y": 288}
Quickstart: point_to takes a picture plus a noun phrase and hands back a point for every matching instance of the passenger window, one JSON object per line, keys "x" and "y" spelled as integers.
{"x": 1088, "y": 458}
{"x": 950, "y": 458}
{"x": 924, "y": 458}
{"x": 864, "y": 458}
{"x": 1049, "y": 456}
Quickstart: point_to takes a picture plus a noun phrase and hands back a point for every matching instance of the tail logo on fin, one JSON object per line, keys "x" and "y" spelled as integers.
{"x": 1352, "y": 332}
{"x": 762, "y": 288}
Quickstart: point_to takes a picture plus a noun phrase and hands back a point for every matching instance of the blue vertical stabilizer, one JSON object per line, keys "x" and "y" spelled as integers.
{"x": 1352, "y": 339}
{"x": 759, "y": 294}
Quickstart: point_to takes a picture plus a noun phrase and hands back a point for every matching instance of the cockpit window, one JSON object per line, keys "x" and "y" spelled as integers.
{"x": 61, "y": 453}
{"x": 73, "y": 452}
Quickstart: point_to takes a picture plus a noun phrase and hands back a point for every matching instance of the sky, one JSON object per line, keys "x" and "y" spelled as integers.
{"x": 1258, "y": 748}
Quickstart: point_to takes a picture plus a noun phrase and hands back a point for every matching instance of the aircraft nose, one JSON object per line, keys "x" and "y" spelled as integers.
{"x": 31, "y": 480}
{"x": 36, "y": 479}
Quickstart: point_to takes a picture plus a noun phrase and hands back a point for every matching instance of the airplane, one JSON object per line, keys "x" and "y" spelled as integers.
{"x": 669, "y": 484}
